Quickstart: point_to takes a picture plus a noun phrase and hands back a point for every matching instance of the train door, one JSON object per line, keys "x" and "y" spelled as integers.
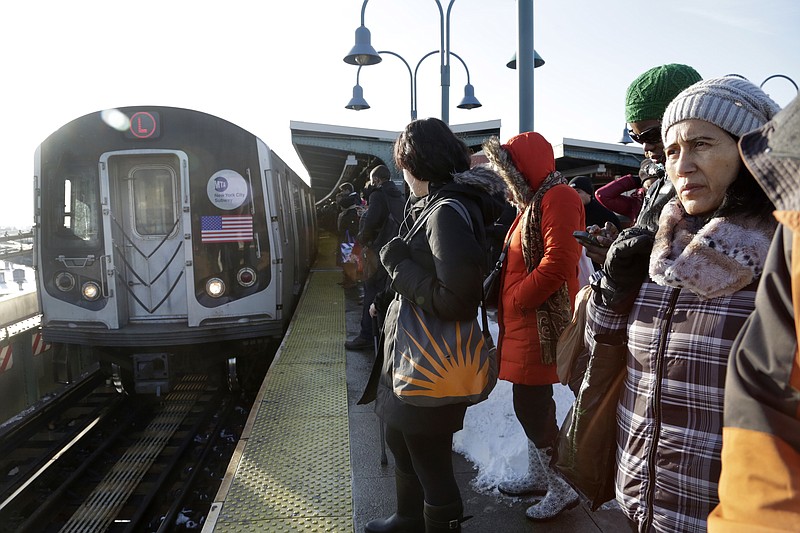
{"x": 146, "y": 188}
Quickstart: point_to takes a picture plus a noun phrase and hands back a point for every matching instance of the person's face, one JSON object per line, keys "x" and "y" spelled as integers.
{"x": 408, "y": 177}
{"x": 650, "y": 132}
{"x": 585, "y": 198}
{"x": 417, "y": 186}
{"x": 702, "y": 162}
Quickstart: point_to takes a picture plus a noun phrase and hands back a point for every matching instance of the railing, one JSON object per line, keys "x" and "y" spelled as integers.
{"x": 16, "y": 245}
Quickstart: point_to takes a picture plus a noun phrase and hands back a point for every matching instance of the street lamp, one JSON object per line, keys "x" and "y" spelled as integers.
{"x": 362, "y": 53}
{"x": 357, "y": 103}
{"x": 626, "y": 137}
{"x": 537, "y": 60}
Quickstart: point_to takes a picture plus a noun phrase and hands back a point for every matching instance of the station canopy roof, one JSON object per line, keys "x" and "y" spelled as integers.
{"x": 337, "y": 154}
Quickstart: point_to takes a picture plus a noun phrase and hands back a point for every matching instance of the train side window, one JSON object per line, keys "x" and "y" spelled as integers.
{"x": 78, "y": 213}
{"x": 153, "y": 199}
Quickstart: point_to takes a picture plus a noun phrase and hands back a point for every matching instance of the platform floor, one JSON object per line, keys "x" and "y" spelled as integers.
{"x": 309, "y": 459}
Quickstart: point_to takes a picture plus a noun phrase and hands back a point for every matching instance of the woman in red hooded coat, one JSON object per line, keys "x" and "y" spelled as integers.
{"x": 538, "y": 284}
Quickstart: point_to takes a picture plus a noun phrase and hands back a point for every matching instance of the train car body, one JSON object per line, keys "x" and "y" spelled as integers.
{"x": 164, "y": 235}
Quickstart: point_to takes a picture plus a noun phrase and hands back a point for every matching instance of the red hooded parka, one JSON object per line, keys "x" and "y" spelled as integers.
{"x": 522, "y": 292}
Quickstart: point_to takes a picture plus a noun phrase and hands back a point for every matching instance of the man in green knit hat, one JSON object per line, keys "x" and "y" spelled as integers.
{"x": 626, "y": 260}
{"x": 646, "y": 100}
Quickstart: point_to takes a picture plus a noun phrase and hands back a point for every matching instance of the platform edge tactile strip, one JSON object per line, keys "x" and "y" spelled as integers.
{"x": 294, "y": 473}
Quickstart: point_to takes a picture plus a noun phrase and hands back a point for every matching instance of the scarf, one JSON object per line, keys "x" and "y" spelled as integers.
{"x": 710, "y": 258}
{"x": 554, "y": 314}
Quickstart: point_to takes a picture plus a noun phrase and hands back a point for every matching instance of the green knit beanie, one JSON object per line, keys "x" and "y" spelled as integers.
{"x": 649, "y": 95}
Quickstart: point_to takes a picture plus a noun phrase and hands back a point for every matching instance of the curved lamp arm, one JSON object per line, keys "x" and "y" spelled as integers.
{"x": 784, "y": 76}
{"x": 412, "y": 78}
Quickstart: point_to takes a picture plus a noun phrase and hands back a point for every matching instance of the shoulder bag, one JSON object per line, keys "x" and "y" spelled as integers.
{"x": 440, "y": 362}
{"x": 586, "y": 442}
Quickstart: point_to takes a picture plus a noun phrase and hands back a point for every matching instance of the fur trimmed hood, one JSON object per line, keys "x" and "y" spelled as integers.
{"x": 481, "y": 184}
{"x": 523, "y": 163}
{"x": 712, "y": 260}
{"x": 481, "y": 177}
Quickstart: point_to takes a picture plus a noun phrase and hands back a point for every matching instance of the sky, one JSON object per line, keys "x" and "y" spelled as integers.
{"x": 263, "y": 64}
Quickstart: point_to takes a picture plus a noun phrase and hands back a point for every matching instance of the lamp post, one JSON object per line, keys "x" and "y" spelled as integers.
{"x": 357, "y": 103}
{"x": 526, "y": 65}
{"x": 363, "y": 53}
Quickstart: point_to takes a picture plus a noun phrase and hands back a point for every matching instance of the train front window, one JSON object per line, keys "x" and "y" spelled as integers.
{"x": 153, "y": 199}
{"x": 77, "y": 216}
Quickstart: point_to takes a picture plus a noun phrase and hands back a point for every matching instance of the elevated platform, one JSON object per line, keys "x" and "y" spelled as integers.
{"x": 310, "y": 458}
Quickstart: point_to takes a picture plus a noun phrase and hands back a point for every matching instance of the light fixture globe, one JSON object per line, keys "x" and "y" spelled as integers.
{"x": 537, "y": 60}
{"x": 362, "y": 52}
{"x": 469, "y": 101}
{"x": 357, "y": 102}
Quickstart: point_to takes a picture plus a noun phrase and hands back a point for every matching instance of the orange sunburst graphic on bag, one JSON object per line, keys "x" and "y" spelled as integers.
{"x": 443, "y": 368}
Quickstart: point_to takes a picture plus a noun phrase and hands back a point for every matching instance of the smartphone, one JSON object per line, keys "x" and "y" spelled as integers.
{"x": 586, "y": 239}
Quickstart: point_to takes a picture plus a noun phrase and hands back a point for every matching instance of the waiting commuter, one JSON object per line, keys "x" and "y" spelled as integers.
{"x": 538, "y": 283}
{"x": 758, "y": 488}
{"x": 441, "y": 269}
{"x": 697, "y": 289}
{"x": 597, "y": 214}
{"x": 379, "y": 224}
{"x": 646, "y": 99}
{"x": 347, "y": 227}
{"x": 625, "y": 194}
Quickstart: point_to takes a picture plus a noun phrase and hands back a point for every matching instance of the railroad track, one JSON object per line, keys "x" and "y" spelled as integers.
{"x": 108, "y": 462}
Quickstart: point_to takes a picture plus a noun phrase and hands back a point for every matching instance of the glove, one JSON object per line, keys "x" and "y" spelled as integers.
{"x": 393, "y": 253}
{"x": 625, "y": 268}
{"x": 651, "y": 170}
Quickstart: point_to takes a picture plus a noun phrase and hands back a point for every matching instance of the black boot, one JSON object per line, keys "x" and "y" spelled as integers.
{"x": 408, "y": 518}
{"x": 444, "y": 518}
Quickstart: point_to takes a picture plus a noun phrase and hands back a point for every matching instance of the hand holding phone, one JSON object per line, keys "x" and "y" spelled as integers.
{"x": 587, "y": 239}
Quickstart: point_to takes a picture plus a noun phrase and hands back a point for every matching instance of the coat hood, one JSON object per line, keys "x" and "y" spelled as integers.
{"x": 524, "y": 162}
{"x": 483, "y": 185}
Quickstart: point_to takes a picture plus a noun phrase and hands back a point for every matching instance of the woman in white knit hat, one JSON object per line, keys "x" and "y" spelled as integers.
{"x": 698, "y": 289}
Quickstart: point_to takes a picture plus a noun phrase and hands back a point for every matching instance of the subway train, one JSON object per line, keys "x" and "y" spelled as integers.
{"x": 167, "y": 240}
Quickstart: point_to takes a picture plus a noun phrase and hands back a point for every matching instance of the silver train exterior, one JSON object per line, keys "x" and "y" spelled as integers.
{"x": 167, "y": 238}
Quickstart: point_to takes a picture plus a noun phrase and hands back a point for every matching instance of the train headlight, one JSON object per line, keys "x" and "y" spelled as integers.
{"x": 90, "y": 291}
{"x": 65, "y": 281}
{"x": 215, "y": 287}
{"x": 246, "y": 277}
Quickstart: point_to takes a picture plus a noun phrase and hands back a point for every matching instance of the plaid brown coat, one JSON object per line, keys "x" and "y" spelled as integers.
{"x": 669, "y": 416}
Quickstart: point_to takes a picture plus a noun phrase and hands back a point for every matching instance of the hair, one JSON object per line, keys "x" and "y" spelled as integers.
{"x": 380, "y": 173}
{"x": 429, "y": 150}
{"x": 744, "y": 196}
{"x": 347, "y": 187}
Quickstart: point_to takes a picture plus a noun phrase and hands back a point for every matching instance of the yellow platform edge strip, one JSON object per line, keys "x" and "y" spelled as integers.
{"x": 291, "y": 468}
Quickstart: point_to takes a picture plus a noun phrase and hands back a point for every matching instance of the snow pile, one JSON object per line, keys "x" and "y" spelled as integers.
{"x": 493, "y": 439}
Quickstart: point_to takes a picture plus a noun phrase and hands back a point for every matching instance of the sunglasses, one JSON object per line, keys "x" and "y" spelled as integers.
{"x": 648, "y": 136}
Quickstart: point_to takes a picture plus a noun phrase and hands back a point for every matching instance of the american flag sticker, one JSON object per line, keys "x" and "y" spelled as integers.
{"x": 6, "y": 361}
{"x": 226, "y": 228}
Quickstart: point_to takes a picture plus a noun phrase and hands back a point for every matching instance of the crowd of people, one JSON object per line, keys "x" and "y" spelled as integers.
{"x": 695, "y": 280}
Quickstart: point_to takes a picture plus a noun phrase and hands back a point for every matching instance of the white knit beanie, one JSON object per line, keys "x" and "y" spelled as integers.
{"x": 731, "y": 103}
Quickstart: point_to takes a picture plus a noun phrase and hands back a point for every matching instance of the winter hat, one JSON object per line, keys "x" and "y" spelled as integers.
{"x": 583, "y": 183}
{"x": 772, "y": 154}
{"x": 730, "y": 103}
{"x": 650, "y": 94}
